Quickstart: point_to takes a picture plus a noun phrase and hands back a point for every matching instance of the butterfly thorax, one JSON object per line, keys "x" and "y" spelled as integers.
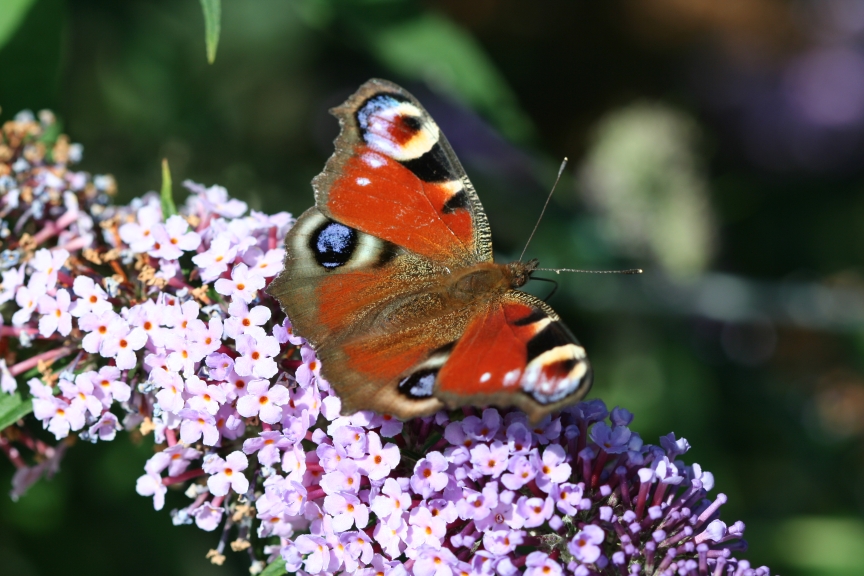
{"x": 488, "y": 277}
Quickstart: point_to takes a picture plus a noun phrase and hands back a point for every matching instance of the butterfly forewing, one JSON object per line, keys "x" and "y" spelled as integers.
{"x": 395, "y": 176}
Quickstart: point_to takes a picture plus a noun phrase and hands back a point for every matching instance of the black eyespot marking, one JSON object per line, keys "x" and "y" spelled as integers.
{"x": 413, "y": 123}
{"x": 419, "y": 384}
{"x": 552, "y": 336}
{"x": 456, "y": 202}
{"x": 433, "y": 166}
{"x": 333, "y": 244}
{"x": 534, "y": 316}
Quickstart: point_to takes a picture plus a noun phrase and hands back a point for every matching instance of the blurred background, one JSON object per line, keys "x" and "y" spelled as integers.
{"x": 717, "y": 145}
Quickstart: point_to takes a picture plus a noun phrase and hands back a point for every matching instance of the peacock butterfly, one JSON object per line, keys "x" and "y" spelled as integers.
{"x": 390, "y": 277}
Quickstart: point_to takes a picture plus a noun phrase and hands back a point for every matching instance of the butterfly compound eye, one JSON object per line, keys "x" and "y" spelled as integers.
{"x": 333, "y": 244}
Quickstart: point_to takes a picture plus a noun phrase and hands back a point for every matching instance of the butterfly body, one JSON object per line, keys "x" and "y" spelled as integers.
{"x": 391, "y": 278}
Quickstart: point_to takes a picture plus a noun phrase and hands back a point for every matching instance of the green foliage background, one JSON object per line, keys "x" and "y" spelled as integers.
{"x": 735, "y": 338}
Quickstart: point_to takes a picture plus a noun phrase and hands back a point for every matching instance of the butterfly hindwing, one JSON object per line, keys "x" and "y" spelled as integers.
{"x": 516, "y": 351}
{"x": 395, "y": 176}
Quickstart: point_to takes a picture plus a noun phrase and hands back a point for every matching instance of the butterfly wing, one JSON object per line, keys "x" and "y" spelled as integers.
{"x": 515, "y": 352}
{"x": 394, "y": 176}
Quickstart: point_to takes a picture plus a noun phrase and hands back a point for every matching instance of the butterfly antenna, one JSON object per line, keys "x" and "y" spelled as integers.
{"x": 554, "y": 286}
{"x": 548, "y": 198}
{"x": 559, "y": 270}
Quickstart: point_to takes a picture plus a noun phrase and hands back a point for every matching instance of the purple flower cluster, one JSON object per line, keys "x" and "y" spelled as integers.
{"x": 486, "y": 493}
{"x": 128, "y": 317}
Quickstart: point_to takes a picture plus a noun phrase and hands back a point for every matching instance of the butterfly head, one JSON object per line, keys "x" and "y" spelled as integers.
{"x": 520, "y": 272}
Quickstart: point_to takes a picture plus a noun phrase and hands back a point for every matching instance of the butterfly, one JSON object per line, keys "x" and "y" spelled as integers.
{"x": 390, "y": 278}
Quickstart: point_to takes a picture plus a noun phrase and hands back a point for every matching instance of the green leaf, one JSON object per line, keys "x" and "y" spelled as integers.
{"x": 212, "y": 26}
{"x": 12, "y": 14}
{"x": 168, "y": 207}
{"x": 431, "y": 442}
{"x": 275, "y": 568}
{"x": 12, "y": 409}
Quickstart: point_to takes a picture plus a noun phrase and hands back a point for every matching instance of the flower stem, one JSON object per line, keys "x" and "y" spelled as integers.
{"x": 188, "y": 475}
{"x": 12, "y": 453}
{"x": 26, "y": 365}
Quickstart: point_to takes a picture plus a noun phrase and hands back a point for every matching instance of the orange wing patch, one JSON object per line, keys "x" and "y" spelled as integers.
{"x": 491, "y": 356}
{"x": 379, "y": 196}
{"x": 345, "y": 295}
{"x": 382, "y": 365}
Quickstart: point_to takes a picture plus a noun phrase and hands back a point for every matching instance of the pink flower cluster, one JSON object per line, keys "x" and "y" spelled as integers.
{"x": 162, "y": 331}
{"x": 126, "y": 317}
